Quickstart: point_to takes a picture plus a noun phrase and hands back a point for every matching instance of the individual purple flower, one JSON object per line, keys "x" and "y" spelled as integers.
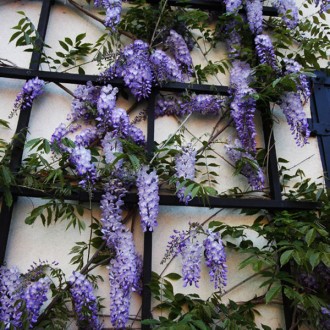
{"x": 232, "y": 5}
{"x": 35, "y": 295}
{"x": 290, "y": 104}
{"x": 84, "y": 301}
{"x": 289, "y": 12}
{"x": 180, "y": 51}
{"x": 254, "y": 15}
{"x": 265, "y": 51}
{"x": 147, "y": 184}
{"x": 185, "y": 169}
{"x": 191, "y": 260}
{"x": 247, "y": 164}
{"x": 30, "y": 91}
{"x": 293, "y": 67}
{"x": 243, "y": 105}
{"x": 215, "y": 259}
{"x": 11, "y": 291}
{"x": 165, "y": 68}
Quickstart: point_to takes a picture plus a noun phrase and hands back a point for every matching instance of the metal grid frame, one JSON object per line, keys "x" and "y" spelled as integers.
{"x": 274, "y": 203}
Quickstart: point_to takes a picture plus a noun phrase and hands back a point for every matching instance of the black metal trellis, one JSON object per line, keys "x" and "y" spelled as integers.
{"x": 274, "y": 203}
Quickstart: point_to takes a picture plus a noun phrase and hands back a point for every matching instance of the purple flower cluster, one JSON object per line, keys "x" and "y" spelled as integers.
{"x": 232, "y": 5}
{"x": 324, "y": 4}
{"x": 86, "y": 137}
{"x": 233, "y": 39}
{"x": 215, "y": 259}
{"x": 289, "y": 12}
{"x": 85, "y": 99}
{"x": 147, "y": 184}
{"x": 81, "y": 158}
{"x": 249, "y": 168}
{"x": 111, "y": 204}
{"x": 10, "y": 293}
{"x": 191, "y": 260}
{"x": 243, "y": 105}
{"x": 35, "y": 295}
{"x": 84, "y": 301}
{"x": 303, "y": 86}
{"x": 124, "y": 275}
{"x": 325, "y": 318}
{"x": 125, "y": 268}
{"x": 290, "y": 104}
{"x": 185, "y": 169}
{"x": 180, "y": 51}
{"x": 140, "y": 70}
{"x": 265, "y": 51}
{"x": 203, "y": 104}
{"x": 165, "y": 68}
{"x": 254, "y": 15}
{"x": 30, "y": 91}
{"x": 113, "y": 11}
{"x": 187, "y": 244}
{"x": 111, "y": 145}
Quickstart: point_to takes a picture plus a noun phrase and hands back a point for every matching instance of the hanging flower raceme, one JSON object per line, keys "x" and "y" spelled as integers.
{"x": 136, "y": 69}
{"x": 165, "y": 68}
{"x": 232, "y": 5}
{"x": 81, "y": 158}
{"x": 113, "y": 12}
{"x": 243, "y": 104}
{"x": 265, "y": 51}
{"x": 289, "y": 12}
{"x": 173, "y": 105}
{"x": 215, "y": 259}
{"x": 147, "y": 184}
{"x": 124, "y": 275}
{"x": 233, "y": 39}
{"x": 85, "y": 99}
{"x": 290, "y": 104}
{"x": 86, "y": 137}
{"x": 30, "y": 91}
{"x": 254, "y": 15}
{"x": 185, "y": 169}
{"x": 125, "y": 268}
{"x": 180, "y": 51}
{"x": 324, "y": 4}
{"x": 10, "y": 293}
{"x": 303, "y": 86}
{"x": 191, "y": 254}
{"x": 84, "y": 301}
{"x": 248, "y": 166}
{"x": 35, "y": 295}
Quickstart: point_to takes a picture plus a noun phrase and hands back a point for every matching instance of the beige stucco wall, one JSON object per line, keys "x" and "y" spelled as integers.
{"x": 31, "y": 243}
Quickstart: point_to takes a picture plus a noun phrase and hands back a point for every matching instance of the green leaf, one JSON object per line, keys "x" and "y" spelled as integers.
{"x": 273, "y": 292}
{"x": 173, "y": 276}
{"x": 310, "y": 236}
{"x": 285, "y": 257}
{"x": 80, "y": 37}
{"x": 64, "y": 45}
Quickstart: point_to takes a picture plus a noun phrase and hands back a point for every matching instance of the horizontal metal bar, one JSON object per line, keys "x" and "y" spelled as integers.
{"x": 71, "y": 78}
{"x": 167, "y": 199}
{"x": 210, "y": 5}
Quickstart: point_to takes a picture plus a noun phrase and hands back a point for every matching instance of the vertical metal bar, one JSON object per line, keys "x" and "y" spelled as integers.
{"x": 21, "y": 130}
{"x": 275, "y": 192}
{"x": 147, "y": 252}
